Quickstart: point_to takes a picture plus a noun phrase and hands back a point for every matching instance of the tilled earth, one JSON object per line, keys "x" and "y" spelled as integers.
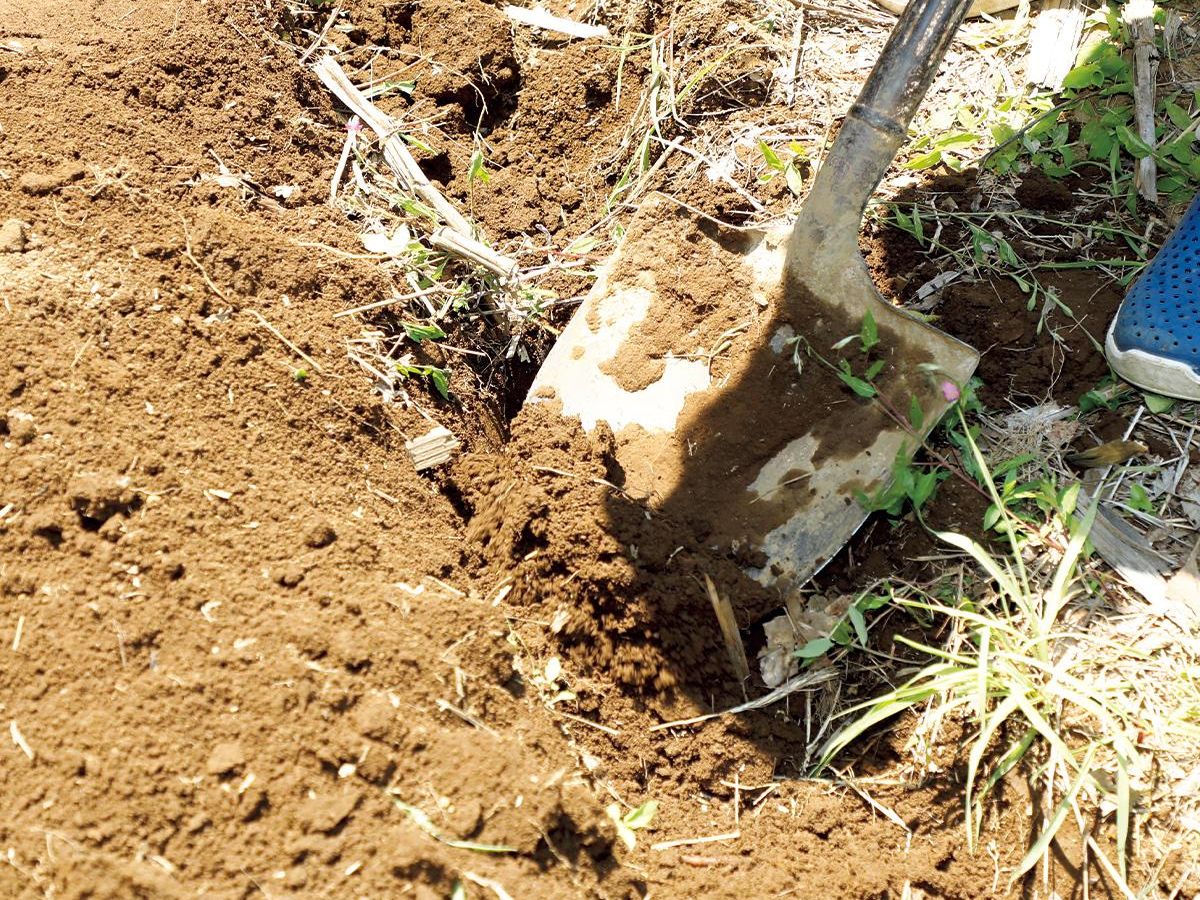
{"x": 236, "y": 627}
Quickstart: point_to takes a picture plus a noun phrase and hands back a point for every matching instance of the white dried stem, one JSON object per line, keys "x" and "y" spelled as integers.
{"x": 1139, "y": 15}
{"x": 334, "y": 77}
{"x": 1054, "y": 42}
{"x": 541, "y": 18}
{"x": 474, "y": 251}
{"x": 431, "y": 449}
{"x": 729, "y": 630}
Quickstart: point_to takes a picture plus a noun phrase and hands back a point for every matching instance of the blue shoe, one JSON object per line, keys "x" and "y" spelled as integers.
{"x": 1154, "y": 340}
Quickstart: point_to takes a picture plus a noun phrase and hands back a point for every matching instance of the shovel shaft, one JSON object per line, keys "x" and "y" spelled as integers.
{"x": 877, "y": 123}
{"x": 909, "y": 60}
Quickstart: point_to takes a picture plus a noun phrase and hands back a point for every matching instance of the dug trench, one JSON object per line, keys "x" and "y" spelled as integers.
{"x": 238, "y": 627}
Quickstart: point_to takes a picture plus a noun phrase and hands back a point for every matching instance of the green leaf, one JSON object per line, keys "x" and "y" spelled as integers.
{"x": 924, "y": 161}
{"x": 1136, "y": 147}
{"x": 1180, "y": 150}
{"x": 840, "y": 634}
{"x": 991, "y": 517}
{"x": 814, "y": 648}
{"x": 1169, "y": 184}
{"x": 869, "y": 333}
{"x": 440, "y": 379}
{"x": 475, "y": 170}
{"x": 418, "y": 332}
{"x": 956, "y": 139}
{"x": 380, "y": 88}
{"x": 857, "y": 385}
{"x": 1002, "y": 132}
{"x": 1157, "y": 404}
{"x": 418, "y": 143}
{"x": 794, "y": 180}
{"x": 624, "y": 832}
{"x": 770, "y": 156}
{"x": 1095, "y": 399}
{"x": 922, "y": 488}
{"x": 1085, "y": 76}
{"x": 1121, "y": 114}
{"x": 640, "y": 817}
{"x": 1114, "y": 67}
{"x": 1099, "y": 139}
{"x": 1139, "y": 499}
{"x": 1177, "y": 114}
{"x": 870, "y": 602}
{"x": 860, "y": 624}
{"x": 916, "y": 415}
{"x": 874, "y": 369}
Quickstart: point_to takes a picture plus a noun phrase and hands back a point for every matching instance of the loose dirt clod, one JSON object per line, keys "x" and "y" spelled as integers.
{"x": 39, "y": 183}
{"x": 225, "y": 758}
{"x": 320, "y": 534}
{"x": 12, "y": 236}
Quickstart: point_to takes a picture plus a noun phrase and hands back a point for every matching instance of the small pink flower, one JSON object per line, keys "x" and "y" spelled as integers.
{"x": 950, "y": 391}
{"x": 354, "y": 126}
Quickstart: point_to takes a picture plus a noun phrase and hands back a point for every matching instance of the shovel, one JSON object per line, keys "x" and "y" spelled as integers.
{"x": 755, "y": 386}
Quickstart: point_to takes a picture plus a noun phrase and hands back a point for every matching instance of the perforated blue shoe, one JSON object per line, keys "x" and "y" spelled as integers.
{"x": 1154, "y": 340}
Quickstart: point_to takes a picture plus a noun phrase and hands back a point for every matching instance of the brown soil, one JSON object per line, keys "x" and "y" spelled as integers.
{"x": 1029, "y": 354}
{"x": 700, "y": 294}
{"x": 236, "y": 624}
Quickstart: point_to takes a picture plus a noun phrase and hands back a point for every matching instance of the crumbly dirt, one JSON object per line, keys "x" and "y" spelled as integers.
{"x": 237, "y": 626}
{"x": 1049, "y": 351}
{"x": 696, "y": 284}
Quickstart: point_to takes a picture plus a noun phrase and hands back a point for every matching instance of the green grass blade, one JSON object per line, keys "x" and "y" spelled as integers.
{"x": 1060, "y": 814}
{"x": 995, "y": 623}
{"x": 1043, "y": 727}
{"x": 988, "y": 728}
{"x": 981, "y": 673}
{"x": 880, "y": 710}
{"x": 982, "y": 465}
{"x": 1124, "y": 802}
{"x": 422, "y": 821}
{"x": 1001, "y": 575}
{"x": 1013, "y": 755}
{"x": 1057, "y": 596}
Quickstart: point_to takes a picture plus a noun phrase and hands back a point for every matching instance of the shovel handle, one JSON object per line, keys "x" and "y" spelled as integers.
{"x": 877, "y": 123}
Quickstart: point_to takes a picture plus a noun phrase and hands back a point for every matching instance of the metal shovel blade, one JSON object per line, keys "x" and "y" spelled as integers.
{"x": 756, "y": 386}
{"x": 755, "y": 456}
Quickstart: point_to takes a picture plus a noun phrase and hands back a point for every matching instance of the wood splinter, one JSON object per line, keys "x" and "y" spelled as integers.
{"x": 729, "y": 630}
{"x": 432, "y": 449}
{"x": 1139, "y": 16}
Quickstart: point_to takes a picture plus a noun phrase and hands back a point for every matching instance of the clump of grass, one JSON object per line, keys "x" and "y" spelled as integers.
{"x": 1025, "y": 682}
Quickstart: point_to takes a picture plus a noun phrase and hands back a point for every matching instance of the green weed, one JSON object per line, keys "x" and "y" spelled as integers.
{"x": 1016, "y": 677}
{"x": 788, "y": 164}
{"x": 438, "y": 378}
{"x": 1089, "y": 125}
{"x": 630, "y": 823}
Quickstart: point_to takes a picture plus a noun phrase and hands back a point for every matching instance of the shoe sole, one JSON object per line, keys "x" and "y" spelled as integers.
{"x": 1152, "y": 373}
